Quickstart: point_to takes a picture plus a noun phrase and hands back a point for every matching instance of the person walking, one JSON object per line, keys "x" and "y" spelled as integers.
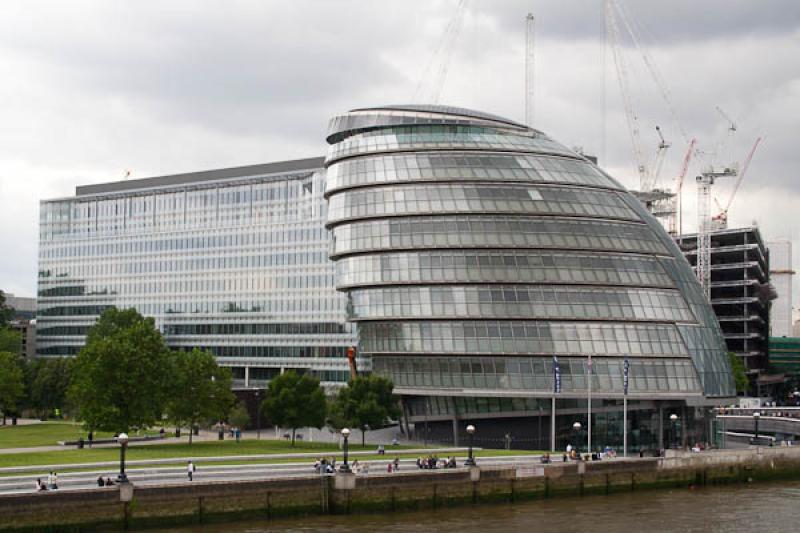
{"x": 190, "y": 469}
{"x": 396, "y": 464}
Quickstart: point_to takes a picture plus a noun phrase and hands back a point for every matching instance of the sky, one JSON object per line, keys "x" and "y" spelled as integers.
{"x": 93, "y": 89}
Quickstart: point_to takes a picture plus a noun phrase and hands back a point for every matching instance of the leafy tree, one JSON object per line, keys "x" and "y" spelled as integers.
{"x": 739, "y": 373}
{"x": 12, "y": 383}
{"x": 200, "y": 390}
{"x": 294, "y": 401}
{"x": 10, "y": 340}
{"x": 239, "y": 417}
{"x": 6, "y": 312}
{"x": 365, "y": 403}
{"x": 49, "y": 381}
{"x": 120, "y": 379}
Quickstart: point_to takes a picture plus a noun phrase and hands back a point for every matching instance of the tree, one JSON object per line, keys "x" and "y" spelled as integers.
{"x": 120, "y": 379}
{"x": 49, "y": 381}
{"x": 365, "y": 403}
{"x": 239, "y": 417}
{"x": 6, "y": 312}
{"x": 200, "y": 390}
{"x": 294, "y": 401}
{"x": 12, "y": 383}
{"x": 739, "y": 373}
{"x": 10, "y": 340}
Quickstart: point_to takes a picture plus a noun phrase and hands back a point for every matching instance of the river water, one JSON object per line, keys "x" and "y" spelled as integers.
{"x": 758, "y": 507}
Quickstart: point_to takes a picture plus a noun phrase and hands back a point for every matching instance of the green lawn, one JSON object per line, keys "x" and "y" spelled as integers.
{"x": 201, "y": 449}
{"x": 42, "y": 434}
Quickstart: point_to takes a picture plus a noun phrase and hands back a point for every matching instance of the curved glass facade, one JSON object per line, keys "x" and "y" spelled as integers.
{"x": 474, "y": 249}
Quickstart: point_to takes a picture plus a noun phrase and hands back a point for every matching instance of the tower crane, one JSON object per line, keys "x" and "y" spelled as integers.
{"x": 429, "y": 88}
{"x": 721, "y": 219}
{"x": 529, "y": 70}
{"x": 679, "y": 188}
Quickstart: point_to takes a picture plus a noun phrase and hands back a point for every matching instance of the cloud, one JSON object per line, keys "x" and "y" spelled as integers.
{"x": 94, "y": 88}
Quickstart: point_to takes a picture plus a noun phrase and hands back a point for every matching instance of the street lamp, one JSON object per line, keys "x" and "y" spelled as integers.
{"x": 674, "y": 418}
{"x": 345, "y": 468}
{"x": 122, "y": 439}
{"x": 258, "y": 415}
{"x": 577, "y": 427}
{"x": 470, "y": 458}
{"x": 756, "y": 416}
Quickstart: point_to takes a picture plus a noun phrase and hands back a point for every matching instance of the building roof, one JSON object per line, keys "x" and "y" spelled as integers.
{"x": 279, "y": 167}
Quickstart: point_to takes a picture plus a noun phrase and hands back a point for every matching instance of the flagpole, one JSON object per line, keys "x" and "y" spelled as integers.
{"x": 589, "y": 410}
{"x": 625, "y": 370}
{"x": 553, "y": 425}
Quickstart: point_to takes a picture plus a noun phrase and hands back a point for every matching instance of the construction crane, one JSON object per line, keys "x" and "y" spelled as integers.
{"x": 529, "y": 68}
{"x": 431, "y": 83}
{"x": 654, "y": 169}
{"x": 721, "y": 219}
{"x": 679, "y": 189}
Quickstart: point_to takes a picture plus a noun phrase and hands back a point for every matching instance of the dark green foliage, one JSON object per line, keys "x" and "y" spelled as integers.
{"x": 365, "y": 403}
{"x": 121, "y": 378}
{"x": 10, "y": 340}
{"x": 739, "y": 373}
{"x": 6, "y": 312}
{"x": 200, "y": 389}
{"x": 12, "y": 383}
{"x": 239, "y": 417}
{"x": 48, "y": 383}
{"x": 294, "y": 401}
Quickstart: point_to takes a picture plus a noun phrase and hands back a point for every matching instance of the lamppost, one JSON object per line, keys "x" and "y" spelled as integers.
{"x": 345, "y": 468}
{"x": 577, "y": 427}
{"x": 122, "y": 439}
{"x": 470, "y": 458}
{"x": 756, "y": 416}
{"x": 258, "y": 415}
{"x": 674, "y": 418}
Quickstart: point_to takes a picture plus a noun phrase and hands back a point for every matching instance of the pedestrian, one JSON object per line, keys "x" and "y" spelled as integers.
{"x": 238, "y": 434}
{"x": 55, "y": 480}
{"x": 109, "y": 483}
{"x": 389, "y": 467}
{"x": 91, "y": 438}
{"x": 356, "y": 467}
{"x": 39, "y": 485}
{"x": 190, "y": 469}
{"x": 396, "y": 464}
{"x": 100, "y": 482}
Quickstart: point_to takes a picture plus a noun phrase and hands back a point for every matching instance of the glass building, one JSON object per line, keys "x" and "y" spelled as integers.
{"x": 232, "y": 260}
{"x": 490, "y": 269}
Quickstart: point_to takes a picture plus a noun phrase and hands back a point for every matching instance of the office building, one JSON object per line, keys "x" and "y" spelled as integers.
{"x": 475, "y": 250}
{"x": 781, "y": 274}
{"x": 233, "y": 261}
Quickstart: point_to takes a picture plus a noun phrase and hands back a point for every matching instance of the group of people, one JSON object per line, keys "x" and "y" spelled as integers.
{"x": 324, "y": 465}
{"x": 432, "y": 462}
{"x": 107, "y": 483}
{"x": 52, "y": 482}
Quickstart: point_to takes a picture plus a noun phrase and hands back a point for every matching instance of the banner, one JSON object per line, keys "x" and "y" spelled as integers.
{"x": 556, "y": 376}
{"x": 625, "y": 367}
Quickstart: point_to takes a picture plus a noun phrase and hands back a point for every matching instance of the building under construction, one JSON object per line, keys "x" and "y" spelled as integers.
{"x": 740, "y": 291}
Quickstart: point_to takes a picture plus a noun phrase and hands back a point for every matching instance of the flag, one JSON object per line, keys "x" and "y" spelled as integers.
{"x": 625, "y": 366}
{"x": 556, "y": 376}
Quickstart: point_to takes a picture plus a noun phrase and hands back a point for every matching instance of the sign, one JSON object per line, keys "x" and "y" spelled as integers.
{"x": 529, "y": 471}
{"x": 625, "y": 367}
{"x": 556, "y": 376}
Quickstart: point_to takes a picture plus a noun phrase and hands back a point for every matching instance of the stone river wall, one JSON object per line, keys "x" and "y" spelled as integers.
{"x": 189, "y": 503}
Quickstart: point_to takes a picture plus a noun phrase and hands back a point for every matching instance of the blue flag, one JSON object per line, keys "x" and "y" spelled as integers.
{"x": 556, "y": 376}
{"x": 625, "y": 367}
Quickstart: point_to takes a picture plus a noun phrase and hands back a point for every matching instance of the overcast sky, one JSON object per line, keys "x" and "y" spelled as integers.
{"x": 91, "y": 89}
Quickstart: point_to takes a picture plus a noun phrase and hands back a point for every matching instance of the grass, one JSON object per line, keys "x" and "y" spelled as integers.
{"x": 42, "y": 434}
{"x": 204, "y": 449}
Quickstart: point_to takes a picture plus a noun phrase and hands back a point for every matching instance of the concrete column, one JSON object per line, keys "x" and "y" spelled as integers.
{"x": 455, "y": 431}
{"x": 246, "y": 376}
{"x": 660, "y": 426}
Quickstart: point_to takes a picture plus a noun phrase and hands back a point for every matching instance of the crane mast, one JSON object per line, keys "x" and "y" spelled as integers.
{"x": 529, "y": 68}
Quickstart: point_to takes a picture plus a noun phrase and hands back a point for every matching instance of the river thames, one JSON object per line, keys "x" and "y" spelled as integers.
{"x": 756, "y": 507}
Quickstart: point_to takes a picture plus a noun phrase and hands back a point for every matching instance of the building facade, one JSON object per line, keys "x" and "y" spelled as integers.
{"x": 233, "y": 261}
{"x": 490, "y": 269}
{"x": 781, "y": 274}
{"x": 740, "y": 292}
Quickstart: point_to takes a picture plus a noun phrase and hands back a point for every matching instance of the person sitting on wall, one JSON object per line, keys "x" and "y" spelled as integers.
{"x": 100, "y": 482}
{"x": 109, "y": 482}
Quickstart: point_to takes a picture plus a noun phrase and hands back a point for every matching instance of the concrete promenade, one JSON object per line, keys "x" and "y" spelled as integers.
{"x": 270, "y": 497}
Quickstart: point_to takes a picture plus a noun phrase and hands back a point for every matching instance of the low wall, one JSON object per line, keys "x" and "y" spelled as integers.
{"x": 266, "y": 499}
